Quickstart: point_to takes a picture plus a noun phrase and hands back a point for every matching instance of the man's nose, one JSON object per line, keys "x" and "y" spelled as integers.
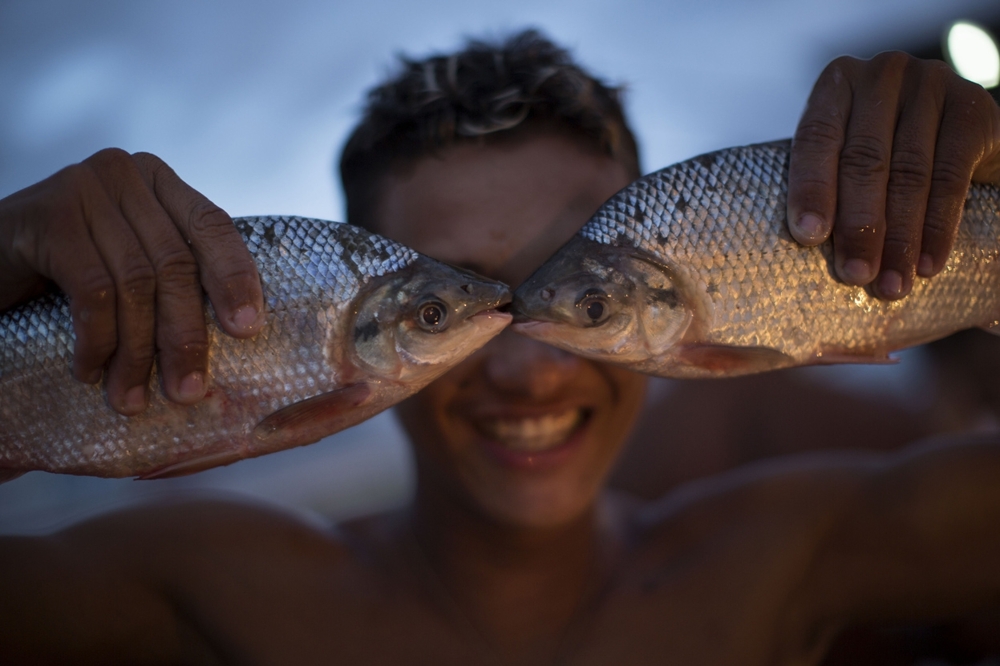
{"x": 520, "y": 365}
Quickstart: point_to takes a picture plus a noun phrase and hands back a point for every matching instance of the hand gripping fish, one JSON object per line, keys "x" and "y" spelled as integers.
{"x": 691, "y": 272}
{"x": 355, "y": 323}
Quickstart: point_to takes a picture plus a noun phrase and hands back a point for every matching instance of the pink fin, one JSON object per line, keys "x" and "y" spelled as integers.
{"x": 194, "y": 465}
{"x": 9, "y": 475}
{"x": 993, "y": 327}
{"x": 310, "y": 420}
{"x": 873, "y": 358}
{"x": 728, "y": 360}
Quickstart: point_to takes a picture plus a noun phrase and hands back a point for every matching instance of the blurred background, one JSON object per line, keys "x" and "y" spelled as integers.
{"x": 250, "y": 102}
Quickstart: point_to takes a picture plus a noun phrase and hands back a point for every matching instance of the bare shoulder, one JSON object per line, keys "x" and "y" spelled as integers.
{"x": 807, "y": 497}
{"x": 205, "y": 524}
{"x": 790, "y": 549}
{"x": 780, "y": 490}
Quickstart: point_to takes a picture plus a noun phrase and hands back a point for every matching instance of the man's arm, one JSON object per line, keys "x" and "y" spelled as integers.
{"x": 916, "y": 537}
{"x": 164, "y": 584}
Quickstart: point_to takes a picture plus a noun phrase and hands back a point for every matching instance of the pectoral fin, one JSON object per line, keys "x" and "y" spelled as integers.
{"x": 301, "y": 423}
{"x": 310, "y": 420}
{"x": 992, "y": 327}
{"x": 837, "y": 357}
{"x": 726, "y": 360}
{"x": 194, "y": 465}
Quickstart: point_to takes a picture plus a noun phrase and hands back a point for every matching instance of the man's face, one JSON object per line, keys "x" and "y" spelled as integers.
{"x": 521, "y": 431}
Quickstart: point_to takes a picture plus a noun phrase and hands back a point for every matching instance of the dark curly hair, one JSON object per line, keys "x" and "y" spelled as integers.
{"x": 478, "y": 94}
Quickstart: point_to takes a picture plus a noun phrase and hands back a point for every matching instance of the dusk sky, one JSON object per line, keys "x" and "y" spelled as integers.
{"x": 250, "y": 102}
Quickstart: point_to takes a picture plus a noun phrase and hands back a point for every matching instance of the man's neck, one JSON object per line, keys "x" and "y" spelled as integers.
{"x": 520, "y": 588}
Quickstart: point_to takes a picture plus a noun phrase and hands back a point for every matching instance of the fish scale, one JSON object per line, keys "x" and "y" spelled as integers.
{"x": 758, "y": 254}
{"x": 314, "y": 275}
{"x": 717, "y": 225}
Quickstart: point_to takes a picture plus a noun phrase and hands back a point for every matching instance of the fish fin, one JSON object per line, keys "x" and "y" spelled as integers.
{"x": 9, "y": 474}
{"x": 870, "y": 358}
{"x": 199, "y": 464}
{"x": 309, "y": 420}
{"x": 993, "y": 327}
{"x": 730, "y": 360}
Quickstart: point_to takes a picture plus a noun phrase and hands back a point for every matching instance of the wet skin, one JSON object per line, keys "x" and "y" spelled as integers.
{"x": 515, "y": 557}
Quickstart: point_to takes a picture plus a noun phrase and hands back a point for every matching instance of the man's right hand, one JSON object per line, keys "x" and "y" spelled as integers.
{"x": 133, "y": 246}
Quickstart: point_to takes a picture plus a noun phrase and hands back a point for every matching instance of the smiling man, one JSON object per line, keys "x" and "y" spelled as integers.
{"x": 512, "y": 553}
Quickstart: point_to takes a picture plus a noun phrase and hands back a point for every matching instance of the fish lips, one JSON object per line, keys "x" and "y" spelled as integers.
{"x": 576, "y": 265}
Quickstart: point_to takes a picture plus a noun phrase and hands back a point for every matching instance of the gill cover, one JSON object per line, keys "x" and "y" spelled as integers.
{"x": 603, "y": 302}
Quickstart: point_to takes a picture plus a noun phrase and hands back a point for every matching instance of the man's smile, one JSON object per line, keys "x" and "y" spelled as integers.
{"x": 531, "y": 434}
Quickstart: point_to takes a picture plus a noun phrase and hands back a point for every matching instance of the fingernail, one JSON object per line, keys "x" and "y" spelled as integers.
{"x": 192, "y": 387}
{"x": 135, "y": 400}
{"x": 245, "y": 318}
{"x": 856, "y": 271}
{"x": 890, "y": 284}
{"x": 811, "y": 227}
{"x": 925, "y": 265}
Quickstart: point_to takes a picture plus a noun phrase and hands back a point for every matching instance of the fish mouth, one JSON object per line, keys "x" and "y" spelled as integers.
{"x": 533, "y": 434}
{"x": 492, "y": 313}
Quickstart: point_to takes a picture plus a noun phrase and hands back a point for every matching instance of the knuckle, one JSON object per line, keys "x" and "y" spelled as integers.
{"x": 911, "y": 169}
{"x": 96, "y": 288}
{"x": 842, "y": 64}
{"x": 819, "y": 132}
{"x": 208, "y": 221}
{"x": 176, "y": 267}
{"x": 937, "y": 70}
{"x": 149, "y": 163}
{"x": 864, "y": 156}
{"x": 111, "y": 158}
{"x": 940, "y": 225}
{"x": 137, "y": 282}
{"x": 78, "y": 177}
{"x": 893, "y": 60}
{"x": 135, "y": 355}
{"x": 951, "y": 177}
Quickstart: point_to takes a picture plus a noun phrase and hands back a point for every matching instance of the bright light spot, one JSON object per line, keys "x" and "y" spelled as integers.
{"x": 973, "y": 53}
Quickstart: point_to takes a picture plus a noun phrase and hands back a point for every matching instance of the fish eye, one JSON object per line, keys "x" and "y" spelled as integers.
{"x": 595, "y": 307}
{"x": 432, "y": 316}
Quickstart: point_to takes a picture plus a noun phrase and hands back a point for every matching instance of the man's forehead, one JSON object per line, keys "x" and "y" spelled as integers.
{"x": 494, "y": 207}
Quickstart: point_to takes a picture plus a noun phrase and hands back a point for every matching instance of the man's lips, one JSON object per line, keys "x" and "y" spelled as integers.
{"x": 531, "y": 433}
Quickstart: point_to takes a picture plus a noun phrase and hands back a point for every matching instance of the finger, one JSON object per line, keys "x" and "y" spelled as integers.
{"x": 77, "y": 267}
{"x": 909, "y": 186}
{"x": 961, "y": 147}
{"x": 168, "y": 303}
{"x": 126, "y": 377}
{"x": 863, "y": 173}
{"x": 52, "y": 239}
{"x": 227, "y": 269}
{"x": 812, "y": 170}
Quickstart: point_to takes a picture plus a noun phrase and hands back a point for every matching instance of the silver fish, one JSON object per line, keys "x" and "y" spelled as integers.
{"x": 691, "y": 272}
{"x": 356, "y": 323}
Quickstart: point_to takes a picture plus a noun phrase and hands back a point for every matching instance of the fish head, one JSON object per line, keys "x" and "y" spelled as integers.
{"x": 604, "y": 302}
{"x": 419, "y": 323}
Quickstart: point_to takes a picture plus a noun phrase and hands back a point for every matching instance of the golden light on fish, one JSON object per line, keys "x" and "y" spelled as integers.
{"x": 651, "y": 256}
{"x": 973, "y": 52}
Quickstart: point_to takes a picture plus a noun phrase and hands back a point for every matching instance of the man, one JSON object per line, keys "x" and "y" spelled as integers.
{"x": 510, "y": 554}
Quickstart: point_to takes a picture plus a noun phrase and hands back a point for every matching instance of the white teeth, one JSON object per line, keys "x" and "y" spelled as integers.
{"x": 533, "y": 434}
